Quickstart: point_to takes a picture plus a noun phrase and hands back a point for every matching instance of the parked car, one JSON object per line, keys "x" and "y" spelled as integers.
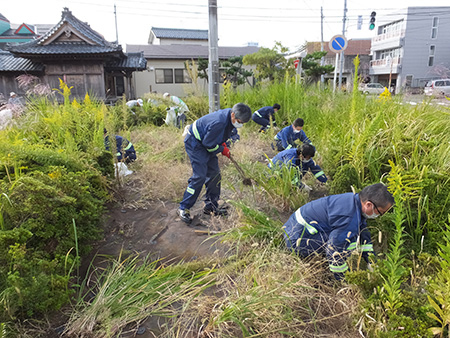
{"x": 372, "y": 88}
{"x": 438, "y": 87}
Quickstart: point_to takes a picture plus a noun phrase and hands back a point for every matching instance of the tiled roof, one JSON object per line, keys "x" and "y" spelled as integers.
{"x": 60, "y": 49}
{"x": 43, "y": 28}
{"x": 355, "y": 47}
{"x": 132, "y": 61}
{"x": 11, "y": 63}
{"x": 186, "y": 52}
{"x": 37, "y": 47}
{"x": 175, "y": 33}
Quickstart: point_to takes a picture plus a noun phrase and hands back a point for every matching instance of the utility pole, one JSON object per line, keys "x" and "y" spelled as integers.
{"x": 213, "y": 66}
{"x": 117, "y": 32}
{"x": 341, "y": 68}
{"x": 322, "y": 78}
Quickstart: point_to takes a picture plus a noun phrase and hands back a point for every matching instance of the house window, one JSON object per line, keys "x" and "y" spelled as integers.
{"x": 164, "y": 75}
{"x": 434, "y": 27}
{"x": 182, "y": 76}
{"x": 431, "y": 56}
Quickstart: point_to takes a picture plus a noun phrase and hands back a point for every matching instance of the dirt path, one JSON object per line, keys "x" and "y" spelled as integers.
{"x": 157, "y": 231}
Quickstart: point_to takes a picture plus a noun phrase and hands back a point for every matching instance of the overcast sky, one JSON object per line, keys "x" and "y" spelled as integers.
{"x": 292, "y": 22}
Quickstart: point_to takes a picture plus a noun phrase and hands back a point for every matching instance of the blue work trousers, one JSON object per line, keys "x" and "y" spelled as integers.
{"x": 297, "y": 238}
{"x": 260, "y": 120}
{"x": 205, "y": 170}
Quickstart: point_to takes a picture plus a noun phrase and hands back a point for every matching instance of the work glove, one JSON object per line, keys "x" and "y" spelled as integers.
{"x": 225, "y": 151}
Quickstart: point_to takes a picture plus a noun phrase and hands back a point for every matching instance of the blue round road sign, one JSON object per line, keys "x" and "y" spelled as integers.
{"x": 338, "y": 43}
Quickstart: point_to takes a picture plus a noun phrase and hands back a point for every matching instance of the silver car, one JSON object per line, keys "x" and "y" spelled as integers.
{"x": 372, "y": 88}
{"x": 438, "y": 87}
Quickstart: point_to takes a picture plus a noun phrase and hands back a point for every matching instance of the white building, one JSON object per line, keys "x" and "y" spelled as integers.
{"x": 412, "y": 47}
{"x": 166, "y": 55}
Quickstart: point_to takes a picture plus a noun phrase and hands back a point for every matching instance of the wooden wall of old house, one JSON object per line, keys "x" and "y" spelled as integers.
{"x": 8, "y": 84}
{"x": 84, "y": 77}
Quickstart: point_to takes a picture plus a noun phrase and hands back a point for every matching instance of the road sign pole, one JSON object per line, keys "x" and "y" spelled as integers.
{"x": 337, "y": 44}
{"x": 335, "y": 72}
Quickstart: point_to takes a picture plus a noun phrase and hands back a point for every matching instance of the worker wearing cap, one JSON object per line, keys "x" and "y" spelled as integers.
{"x": 336, "y": 225}
{"x": 182, "y": 107}
{"x": 263, "y": 115}
{"x": 206, "y": 138}
{"x": 133, "y": 103}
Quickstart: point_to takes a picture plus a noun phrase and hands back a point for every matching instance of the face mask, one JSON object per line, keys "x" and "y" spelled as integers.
{"x": 305, "y": 161}
{"x": 238, "y": 125}
{"x": 296, "y": 131}
{"x": 373, "y": 216}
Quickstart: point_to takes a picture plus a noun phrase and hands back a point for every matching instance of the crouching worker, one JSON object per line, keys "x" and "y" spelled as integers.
{"x": 206, "y": 138}
{"x": 332, "y": 225}
{"x": 285, "y": 139}
{"x": 301, "y": 159}
{"x": 125, "y": 149}
{"x": 263, "y": 115}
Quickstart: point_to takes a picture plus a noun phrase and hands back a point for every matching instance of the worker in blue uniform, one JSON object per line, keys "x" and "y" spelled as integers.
{"x": 332, "y": 225}
{"x": 124, "y": 149}
{"x": 263, "y": 115}
{"x": 285, "y": 139}
{"x": 301, "y": 159}
{"x": 234, "y": 137}
{"x": 205, "y": 139}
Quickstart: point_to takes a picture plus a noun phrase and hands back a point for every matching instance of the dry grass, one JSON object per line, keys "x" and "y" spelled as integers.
{"x": 270, "y": 293}
{"x": 163, "y": 168}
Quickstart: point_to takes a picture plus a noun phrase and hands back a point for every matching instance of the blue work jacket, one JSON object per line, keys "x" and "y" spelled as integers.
{"x": 213, "y": 129}
{"x": 289, "y": 157}
{"x": 339, "y": 219}
{"x": 288, "y": 137}
{"x": 265, "y": 112}
{"x": 124, "y": 148}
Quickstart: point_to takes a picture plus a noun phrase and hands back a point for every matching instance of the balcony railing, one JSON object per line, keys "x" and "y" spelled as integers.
{"x": 389, "y": 35}
{"x": 385, "y": 62}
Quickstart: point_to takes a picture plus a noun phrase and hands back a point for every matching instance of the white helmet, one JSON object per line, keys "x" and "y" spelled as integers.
{"x": 140, "y": 102}
{"x": 166, "y": 95}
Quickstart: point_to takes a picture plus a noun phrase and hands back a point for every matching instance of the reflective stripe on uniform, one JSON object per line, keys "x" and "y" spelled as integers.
{"x": 195, "y": 131}
{"x": 320, "y": 173}
{"x": 289, "y": 147}
{"x": 258, "y": 114}
{"x": 301, "y": 220}
{"x": 367, "y": 247}
{"x": 213, "y": 149}
{"x": 119, "y": 154}
{"x": 339, "y": 268}
{"x": 129, "y": 146}
{"x": 351, "y": 246}
{"x": 190, "y": 190}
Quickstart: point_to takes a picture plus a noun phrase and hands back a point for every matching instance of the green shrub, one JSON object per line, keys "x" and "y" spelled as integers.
{"x": 38, "y": 236}
{"x": 345, "y": 177}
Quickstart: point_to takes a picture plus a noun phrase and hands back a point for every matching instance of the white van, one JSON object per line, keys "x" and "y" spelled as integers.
{"x": 438, "y": 87}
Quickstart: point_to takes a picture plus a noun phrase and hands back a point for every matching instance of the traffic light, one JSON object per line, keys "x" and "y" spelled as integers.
{"x": 372, "y": 20}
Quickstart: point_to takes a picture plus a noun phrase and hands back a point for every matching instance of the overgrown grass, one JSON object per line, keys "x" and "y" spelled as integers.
{"x": 262, "y": 290}
{"x": 128, "y": 291}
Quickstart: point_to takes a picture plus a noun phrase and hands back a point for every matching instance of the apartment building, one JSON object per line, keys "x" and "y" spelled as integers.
{"x": 411, "y": 47}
